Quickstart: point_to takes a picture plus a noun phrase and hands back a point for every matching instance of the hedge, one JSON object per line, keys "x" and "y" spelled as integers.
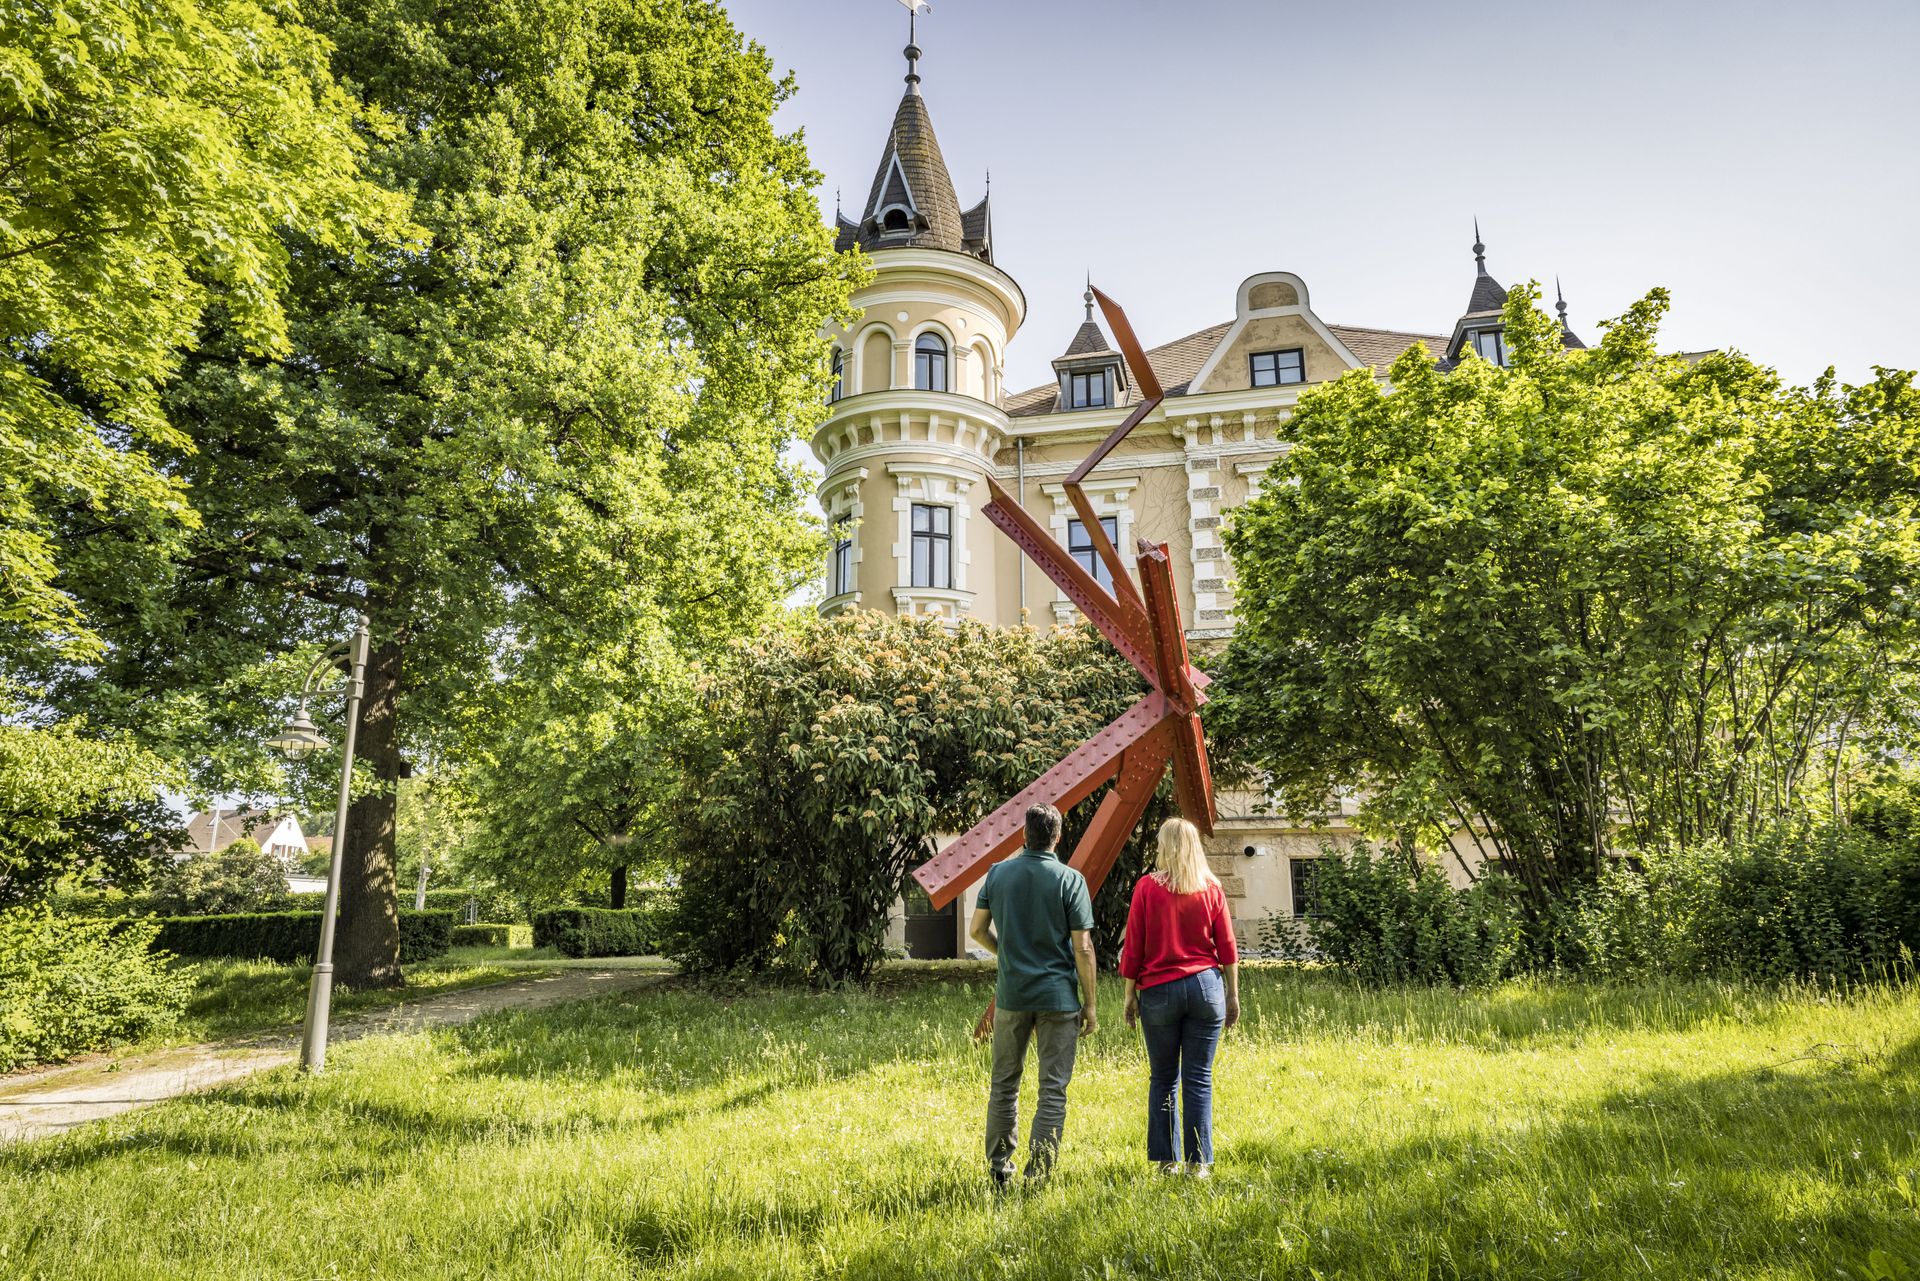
{"x": 289, "y": 936}
{"x": 599, "y": 931}
{"x": 70, "y": 984}
{"x": 492, "y": 935}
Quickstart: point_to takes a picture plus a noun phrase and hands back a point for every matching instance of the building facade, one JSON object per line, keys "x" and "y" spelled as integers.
{"x": 919, "y": 418}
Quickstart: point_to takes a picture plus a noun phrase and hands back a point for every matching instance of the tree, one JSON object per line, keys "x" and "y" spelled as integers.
{"x": 574, "y": 786}
{"x": 558, "y": 413}
{"x": 1599, "y": 596}
{"x": 830, "y": 754}
{"x": 238, "y": 878}
{"x": 75, "y": 806}
{"x": 156, "y": 150}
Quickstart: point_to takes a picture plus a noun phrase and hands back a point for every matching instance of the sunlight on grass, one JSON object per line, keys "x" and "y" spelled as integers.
{"x": 1536, "y": 1131}
{"x": 244, "y": 998}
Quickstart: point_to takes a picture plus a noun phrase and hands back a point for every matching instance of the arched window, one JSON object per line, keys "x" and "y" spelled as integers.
{"x": 896, "y": 220}
{"x": 930, "y": 363}
{"x": 839, "y": 387}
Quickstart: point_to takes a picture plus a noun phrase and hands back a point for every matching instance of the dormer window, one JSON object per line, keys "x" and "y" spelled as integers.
{"x": 1487, "y": 344}
{"x": 1090, "y": 390}
{"x": 930, "y": 363}
{"x": 894, "y": 222}
{"x": 1278, "y": 368}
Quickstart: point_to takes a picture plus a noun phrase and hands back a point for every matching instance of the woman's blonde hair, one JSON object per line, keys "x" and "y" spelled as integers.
{"x": 1182, "y": 862}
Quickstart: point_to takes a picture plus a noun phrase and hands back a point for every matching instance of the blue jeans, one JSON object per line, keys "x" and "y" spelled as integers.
{"x": 1182, "y": 1021}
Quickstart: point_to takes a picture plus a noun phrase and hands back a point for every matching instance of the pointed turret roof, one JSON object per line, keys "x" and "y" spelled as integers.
{"x": 912, "y": 202}
{"x": 1567, "y": 337}
{"x": 1488, "y": 294}
{"x": 1088, "y": 340}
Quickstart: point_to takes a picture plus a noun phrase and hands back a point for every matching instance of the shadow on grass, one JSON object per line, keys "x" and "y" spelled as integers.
{"x": 1742, "y": 1173}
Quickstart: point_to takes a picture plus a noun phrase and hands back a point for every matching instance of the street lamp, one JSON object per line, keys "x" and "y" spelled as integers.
{"x": 298, "y": 740}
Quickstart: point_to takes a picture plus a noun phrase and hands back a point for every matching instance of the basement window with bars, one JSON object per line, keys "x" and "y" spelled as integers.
{"x": 1278, "y": 368}
{"x": 1080, "y": 547}
{"x": 1302, "y": 872}
{"x": 932, "y": 546}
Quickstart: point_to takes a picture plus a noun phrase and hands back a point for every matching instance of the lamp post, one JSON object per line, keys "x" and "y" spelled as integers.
{"x": 298, "y": 739}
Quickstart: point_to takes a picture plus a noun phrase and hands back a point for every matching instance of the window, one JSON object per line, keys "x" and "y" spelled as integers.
{"x": 840, "y": 576}
{"x": 1276, "y": 368}
{"x": 932, "y": 546}
{"x": 930, "y": 363}
{"x": 1489, "y": 347}
{"x": 1089, "y": 391}
{"x": 1303, "y": 871}
{"x": 839, "y": 371}
{"x": 1080, "y": 547}
{"x": 895, "y": 221}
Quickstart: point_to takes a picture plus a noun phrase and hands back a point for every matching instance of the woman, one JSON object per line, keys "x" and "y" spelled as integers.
{"x": 1183, "y": 988}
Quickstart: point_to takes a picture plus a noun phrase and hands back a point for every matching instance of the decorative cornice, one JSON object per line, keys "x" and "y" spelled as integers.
{"x": 979, "y": 271}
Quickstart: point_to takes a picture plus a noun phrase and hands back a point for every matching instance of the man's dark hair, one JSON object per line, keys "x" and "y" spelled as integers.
{"x": 1043, "y": 827}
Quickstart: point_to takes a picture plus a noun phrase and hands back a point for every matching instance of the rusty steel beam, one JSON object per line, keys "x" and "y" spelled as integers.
{"x": 1074, "y": 779}
{"x": 1122, "y": 621}
{"x": 1163, "y": 620}
{"x": 1123, "y": 588}
{"x": 1143, "y": 375}
{"x": 1141, "y": 768}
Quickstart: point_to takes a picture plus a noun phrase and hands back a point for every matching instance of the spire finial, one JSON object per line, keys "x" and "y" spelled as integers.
{"x": 914, "y": 9}
{"x": 1087, "y": 297}
{"x": 1479, "y": 249}
{"x": 1560, "y": 305}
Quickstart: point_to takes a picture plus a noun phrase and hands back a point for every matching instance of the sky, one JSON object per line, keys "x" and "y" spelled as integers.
{"x": 1760, "y": 160}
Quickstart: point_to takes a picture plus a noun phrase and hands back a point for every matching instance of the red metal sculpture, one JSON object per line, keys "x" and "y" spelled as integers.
{"x": 1144, "y": 625}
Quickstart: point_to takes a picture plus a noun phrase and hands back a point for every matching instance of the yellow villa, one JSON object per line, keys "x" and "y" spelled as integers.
{"x": 920, "y": 418}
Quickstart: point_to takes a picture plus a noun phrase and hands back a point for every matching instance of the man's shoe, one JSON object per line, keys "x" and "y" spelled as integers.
{"x": 1168, "y": 1167}
{"x": 1002, "y": 1179}
{"x": 1200, "y": 1170}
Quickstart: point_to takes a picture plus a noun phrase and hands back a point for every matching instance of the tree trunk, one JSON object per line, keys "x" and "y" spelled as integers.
{"x": 367, "y": 953}
{"x": 617, "y": 891}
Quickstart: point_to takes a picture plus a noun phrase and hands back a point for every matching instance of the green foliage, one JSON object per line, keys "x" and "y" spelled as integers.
{"x": 1830, "y": 904}
{"x": 1827, "y": 903}
{"x": 1534, "y": 601}
{"x": 550, "y": 424}
{"x": 287, "y": 936}
{"x": 829, "y": 753}
{"x": 1385, "y": 918}
{"x": 239, "y": 878}
{"x": 493, "y": 935}
{"x": 158, "y": 154}
{"x": 601, "y": 931}
{"x": 77, "y": 806}
{"x": 72, "y": 985}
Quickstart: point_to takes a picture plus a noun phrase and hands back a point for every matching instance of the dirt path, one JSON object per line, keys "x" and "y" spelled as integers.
{"x": 59, "y": 1099}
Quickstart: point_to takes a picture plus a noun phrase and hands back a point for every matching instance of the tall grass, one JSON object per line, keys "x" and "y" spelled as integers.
{"x": 1533, "y": 1130}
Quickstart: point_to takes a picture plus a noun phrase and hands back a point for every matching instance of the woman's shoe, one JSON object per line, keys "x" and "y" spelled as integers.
{"x": 1200, "y": 1170}
{"x": 1169, "y": 1167}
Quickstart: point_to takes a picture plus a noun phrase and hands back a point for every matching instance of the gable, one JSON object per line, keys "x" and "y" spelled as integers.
{"x": 1230, "y": 368}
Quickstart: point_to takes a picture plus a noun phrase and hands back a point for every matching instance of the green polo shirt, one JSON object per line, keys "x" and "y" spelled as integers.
{"x": 1036, "y": 901}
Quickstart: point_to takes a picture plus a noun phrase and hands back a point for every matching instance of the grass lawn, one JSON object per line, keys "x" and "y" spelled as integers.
{"x": 1535, "y": 1131}
{"x": 243, "y": 998}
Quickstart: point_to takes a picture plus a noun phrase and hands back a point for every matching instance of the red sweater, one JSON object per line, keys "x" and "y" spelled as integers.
{"x": 1170, "y": 936}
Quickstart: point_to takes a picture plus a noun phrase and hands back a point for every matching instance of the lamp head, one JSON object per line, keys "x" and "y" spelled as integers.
{"x": 298, "y": 739}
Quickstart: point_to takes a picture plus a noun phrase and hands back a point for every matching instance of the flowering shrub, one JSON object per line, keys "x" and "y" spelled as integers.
{"x": 831, "y": 753}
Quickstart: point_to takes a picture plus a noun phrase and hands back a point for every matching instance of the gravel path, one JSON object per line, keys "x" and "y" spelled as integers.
{"x": 55, "y": 1101}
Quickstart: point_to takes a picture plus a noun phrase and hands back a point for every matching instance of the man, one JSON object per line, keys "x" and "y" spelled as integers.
{"x": 1035, "y": 915}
